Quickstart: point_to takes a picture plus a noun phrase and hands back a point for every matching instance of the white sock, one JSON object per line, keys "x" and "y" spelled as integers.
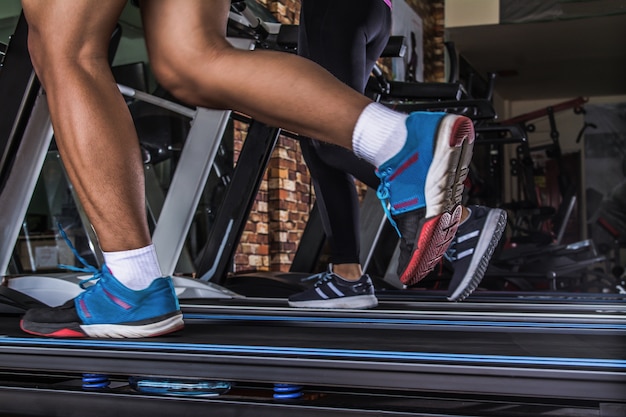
{"x": 379, "y": 134}
{"x": 135, "y": 268}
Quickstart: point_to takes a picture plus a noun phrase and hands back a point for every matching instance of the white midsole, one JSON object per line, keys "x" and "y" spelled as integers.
{"x": 358, "y": 301}
{"x": 130, "y": 331}
{"x": 439, "y": 191}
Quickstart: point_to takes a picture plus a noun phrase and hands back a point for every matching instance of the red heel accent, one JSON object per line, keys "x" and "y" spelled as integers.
{"x": 435, "y": 236}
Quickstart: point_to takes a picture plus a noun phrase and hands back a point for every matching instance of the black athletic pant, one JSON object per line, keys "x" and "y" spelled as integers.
{"x": 346, "y": 37}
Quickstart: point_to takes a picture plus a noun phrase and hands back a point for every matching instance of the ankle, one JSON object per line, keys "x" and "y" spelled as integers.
{"x": 135, "y": 269}
{"x": 349, "y": 272}
{"x": 465, "y": 213}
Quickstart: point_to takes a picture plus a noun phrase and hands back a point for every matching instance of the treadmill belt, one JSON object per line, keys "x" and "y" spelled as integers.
{"x": 571, "y": 362}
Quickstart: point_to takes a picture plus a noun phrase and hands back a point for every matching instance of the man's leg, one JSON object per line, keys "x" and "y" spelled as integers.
{"x": 193, "y": 60}
{"x": 419, "y": 156}
{"x": 68, "y": 42}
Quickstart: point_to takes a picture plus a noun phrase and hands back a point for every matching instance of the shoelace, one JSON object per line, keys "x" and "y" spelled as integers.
{"x": 383, "y": 193}
{"x": 326, "y": 276}
{"x": 89, "y": 269}
{"x": 321, "y": 278}
{"x": 318, "y": 278}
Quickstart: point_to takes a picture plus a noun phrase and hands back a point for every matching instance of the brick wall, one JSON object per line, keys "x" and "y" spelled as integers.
{"x": 281, "y": 210}
{"x": 431, "y": 12}
{"x": 282, "y": 206}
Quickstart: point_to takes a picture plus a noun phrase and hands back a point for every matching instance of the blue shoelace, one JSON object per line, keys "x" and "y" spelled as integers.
{"x": 383, "y": 193}
{"x": 318, "y": 278}
{"x": 88, "y": 269}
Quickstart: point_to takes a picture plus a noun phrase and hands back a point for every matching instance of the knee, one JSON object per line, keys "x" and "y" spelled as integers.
{"x": 190, "y": 74}
{"x": 63, "y": 61}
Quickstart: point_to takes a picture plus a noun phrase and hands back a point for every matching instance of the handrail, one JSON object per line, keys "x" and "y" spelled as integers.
{"x": 526, "y": 117}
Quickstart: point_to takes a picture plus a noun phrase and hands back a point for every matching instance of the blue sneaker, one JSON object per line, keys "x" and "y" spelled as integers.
{"x": 332, "y": 291}
{"x": 108, "y": 309}
{"x": 424, "y": 182}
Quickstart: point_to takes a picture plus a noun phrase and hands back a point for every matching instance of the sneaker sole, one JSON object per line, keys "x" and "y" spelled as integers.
{"x": 444, "y": 190}
{"x": 116, "y": 331}
{"x": 356, "y": 302}
{"x": 494, "y": 227}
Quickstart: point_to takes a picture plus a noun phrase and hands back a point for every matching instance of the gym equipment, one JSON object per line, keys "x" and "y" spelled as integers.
{"x": 537, "y": 257}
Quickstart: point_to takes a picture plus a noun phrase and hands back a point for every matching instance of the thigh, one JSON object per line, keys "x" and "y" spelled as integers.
{"x": 184, "y": 27}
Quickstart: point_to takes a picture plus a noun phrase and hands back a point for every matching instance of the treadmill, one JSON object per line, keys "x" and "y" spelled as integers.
{"x": 413, "y": 355}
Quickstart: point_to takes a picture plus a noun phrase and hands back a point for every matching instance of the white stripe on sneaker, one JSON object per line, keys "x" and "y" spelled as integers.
{"x": 321, "y": 293}
{"x": 335, "y": 289}
{"x": 467, "y": 236}
{"x": 465, "y": 253}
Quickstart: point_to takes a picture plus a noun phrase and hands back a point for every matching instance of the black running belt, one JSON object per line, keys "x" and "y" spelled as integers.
{"x": 494, "y": 361}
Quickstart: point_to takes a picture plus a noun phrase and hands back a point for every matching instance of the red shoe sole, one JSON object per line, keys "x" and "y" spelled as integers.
{"x": 432, "y": 242}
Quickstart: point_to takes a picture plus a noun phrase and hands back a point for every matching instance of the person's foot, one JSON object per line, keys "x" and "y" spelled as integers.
{"x": 332, "y": 291}
{"x": 421, "y": 188}
{"x": 111, "y": 310}
{"x": 472, "y": 248}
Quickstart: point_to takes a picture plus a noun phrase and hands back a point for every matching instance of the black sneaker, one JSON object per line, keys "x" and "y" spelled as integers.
{"x": 472, "y": 247}
{"x": 332, "y": 291}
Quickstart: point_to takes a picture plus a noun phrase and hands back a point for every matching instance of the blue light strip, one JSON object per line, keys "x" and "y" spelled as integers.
{"x": 316, "y": 353}
{"x": 395, "y": 321}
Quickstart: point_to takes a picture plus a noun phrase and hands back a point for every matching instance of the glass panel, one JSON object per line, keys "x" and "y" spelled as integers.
{"x": 40, "y": 246}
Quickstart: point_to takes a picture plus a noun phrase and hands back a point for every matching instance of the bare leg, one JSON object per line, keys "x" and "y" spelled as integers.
{"x": 68, "y": 42}
{"x": 351, "y": 272}
{"x": 193, "y": 60}
{"x": 464, "y": 213}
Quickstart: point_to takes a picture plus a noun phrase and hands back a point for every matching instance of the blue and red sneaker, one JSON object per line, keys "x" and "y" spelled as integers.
{"x": 422, "y": 185}
{"x": 109, "y": 309}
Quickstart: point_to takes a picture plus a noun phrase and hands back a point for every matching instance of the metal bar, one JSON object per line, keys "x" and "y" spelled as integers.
{"x": 157, "y": 101}
{"x": 536, "y": 114}
{"x": 21, "y": 181}
{"x": 216, "y": 257}
{"x": 187, "y": 185}
{"x": 18, "y": 89}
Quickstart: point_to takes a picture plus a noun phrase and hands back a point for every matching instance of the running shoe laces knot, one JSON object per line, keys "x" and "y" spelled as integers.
{"x": 325, "y": 277}
{"x": 315, "y": 277}
{"x": 88, "y": 269}
{"x": 383, "y": 193}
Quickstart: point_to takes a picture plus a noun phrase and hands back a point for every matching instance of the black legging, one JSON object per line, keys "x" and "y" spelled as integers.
{"x": 346, "y": 37}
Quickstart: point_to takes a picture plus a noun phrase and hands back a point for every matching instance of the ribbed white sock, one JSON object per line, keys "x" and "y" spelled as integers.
{"x": 135, "y": 268}
{"x": 379, "y": 134}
